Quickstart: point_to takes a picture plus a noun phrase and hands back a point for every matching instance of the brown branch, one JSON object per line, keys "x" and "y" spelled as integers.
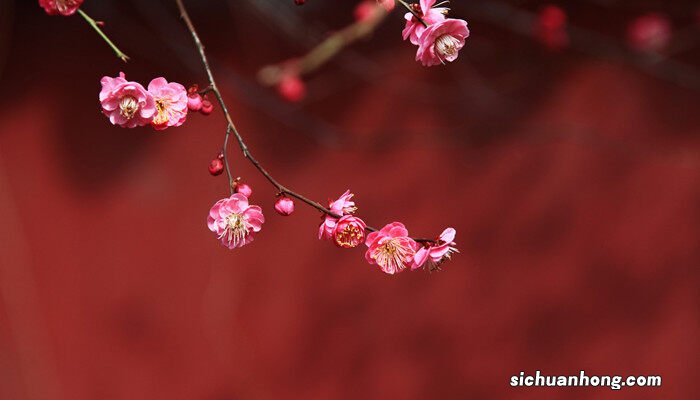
{"x": 231, "y": 128}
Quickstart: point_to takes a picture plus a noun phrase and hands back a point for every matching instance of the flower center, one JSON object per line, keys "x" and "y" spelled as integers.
{"x": 162, "y": 116}
{"x": 63, "y": 5}
{"x": 350, "y": 236}
{"x": 236, "y": 229}
{"x": 392, "y": 255}
{"x": 447, "y": 45}
{"x": 128, "y": 107}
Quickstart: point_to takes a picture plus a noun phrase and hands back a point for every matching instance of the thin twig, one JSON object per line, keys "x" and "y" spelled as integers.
{"x": 232, "y": 128}
{"x": 412, "y": 11}
{"x": 97, "y": 29}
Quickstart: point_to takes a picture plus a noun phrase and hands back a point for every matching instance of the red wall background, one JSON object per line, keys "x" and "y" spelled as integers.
{"x": 573, "y": 183}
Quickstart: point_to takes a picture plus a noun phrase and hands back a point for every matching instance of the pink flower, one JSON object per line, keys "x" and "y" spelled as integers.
{"x": 434, "y": 255}
{"x": 171, "y": 103}
{"x": 650, "y": 32}
{"x": 127, "y": 104}
{"x": 349, "y": 232}
{"x": 325, "y": 230}
{"x": 431, "y": 15}
{"x": 391, "y": 248}
{"x": 284, "y": 206}
{"x": 442, "y": 41}
{"x": 235, "y": 221}
{"x": 344, "y": 205}
{"x": 60, "y": 7}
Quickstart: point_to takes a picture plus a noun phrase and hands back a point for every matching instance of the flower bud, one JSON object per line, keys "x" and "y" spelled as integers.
{"x": 292, "y": 89}
{"x": 194, "y": 99}
{"x": 284, "y": 206}
{"x": 216, "y": 166}
{"x": 243, "y": 189}
{"x": 207, "y": 106}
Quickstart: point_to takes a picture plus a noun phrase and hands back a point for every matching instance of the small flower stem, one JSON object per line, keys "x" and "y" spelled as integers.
{"x": 412, "y": 11}
{"x": 96, "y": 27}
{"x": 224, "y": 151}
{"x": 231, "y": 128}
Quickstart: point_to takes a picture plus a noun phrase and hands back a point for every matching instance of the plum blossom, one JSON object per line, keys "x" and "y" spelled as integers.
{"x": 430, "y": 14}
{"x": 60, "y": 7}
{"x": 284, "y": 206}
{"x": 235, "y": 221}
{"x": 343, "y": 206}
{"x": 349, "y": 232}
{"x": 442, "y": 41}
{"x": 126, "y": 103}
{"x": 436, "y": 254}
{"x": 391, "y": 248}
{"x": 171, "y": 103}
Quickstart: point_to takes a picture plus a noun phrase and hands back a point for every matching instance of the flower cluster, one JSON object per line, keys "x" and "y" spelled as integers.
{"x": 234, "y": 222}
{"x": 162, "y": 105}
{"x": 391, "y": 248}
{"x": 439, "y": 39}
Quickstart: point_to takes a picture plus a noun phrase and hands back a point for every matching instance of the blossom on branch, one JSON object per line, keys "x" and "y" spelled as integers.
{"x": 284, "y": 206}
{"x": 349, "y": 232}
{"x": 126, "y": 103}
{"x": 430, "y": 14}
{"x": 235, "y": 221}
{"x": 391, "y": 248}
{"x": 432, "y": 255}
{"x": 343, "y": 206}
{"x": 171, "y": 103}
{"x": 442, "y": 42}
{"x": 60, "y": 7}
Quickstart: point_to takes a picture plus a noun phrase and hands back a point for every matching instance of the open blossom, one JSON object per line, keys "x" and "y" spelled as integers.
{"x": 391, "y": 248}
{"x": 428, "y": 13}
{"x": 434, "y": 255}
{"x": 60, "y": 7}
{"x": 343, "y": 206}
{"x": 171, "y": 103}
{"x": 127, "y": 104}
{"x": 235, "y": 221}
{"x": 349, "y": 232}
{"x": 442, "y": 41}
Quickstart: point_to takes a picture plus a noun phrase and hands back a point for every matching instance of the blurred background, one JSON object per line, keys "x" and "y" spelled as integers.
{"x": 566, "y": 153}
